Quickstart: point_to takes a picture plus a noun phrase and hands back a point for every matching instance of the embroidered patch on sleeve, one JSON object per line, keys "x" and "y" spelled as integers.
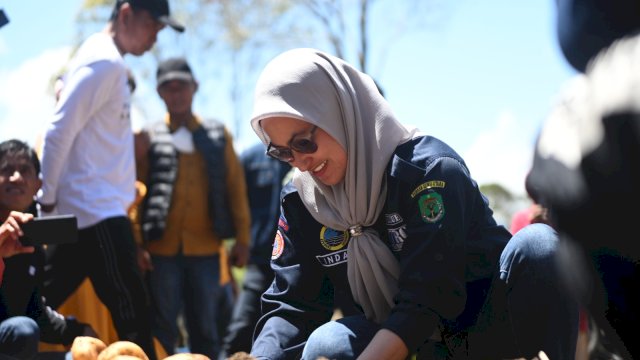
{"x": 282, "y": 222}
{"x": 427, "y": 185}
{"x": 278, "y": 246}
{"x": 431, "y": 207}
{"x": 397, "y": 230}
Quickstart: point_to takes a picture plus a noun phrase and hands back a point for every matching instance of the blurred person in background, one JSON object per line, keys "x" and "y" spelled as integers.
{"x": 88, "y": 169}
{"x": 265, "y": 177}
{"x": 196, "y": 198}
{"x": 586, "y": 167}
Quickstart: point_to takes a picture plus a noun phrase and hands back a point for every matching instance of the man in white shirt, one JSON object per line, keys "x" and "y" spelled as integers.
{"x": 88, "y": 169}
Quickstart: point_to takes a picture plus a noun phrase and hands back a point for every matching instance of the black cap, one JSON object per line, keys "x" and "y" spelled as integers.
{"x": 4, "y": 20}
{"x": 159, "y": 9}
{"x": 174, "y": 69}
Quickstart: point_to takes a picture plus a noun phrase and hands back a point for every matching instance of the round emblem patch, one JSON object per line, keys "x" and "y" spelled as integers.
{"x": 333, "y": 239}
{"x": 278, "y": 246}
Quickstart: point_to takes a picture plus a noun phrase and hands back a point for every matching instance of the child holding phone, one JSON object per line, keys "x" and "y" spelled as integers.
{"x": 24, "y": 318}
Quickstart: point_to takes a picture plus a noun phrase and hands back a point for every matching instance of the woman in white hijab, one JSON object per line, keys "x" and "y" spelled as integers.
{"x": 392, "y": 219}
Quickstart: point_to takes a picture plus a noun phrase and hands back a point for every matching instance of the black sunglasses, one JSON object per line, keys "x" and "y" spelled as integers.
{"x": 298, "y": 143}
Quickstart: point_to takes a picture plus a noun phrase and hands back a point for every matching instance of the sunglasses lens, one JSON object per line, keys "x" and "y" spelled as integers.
{"x": 305, "y": 146}
{"x": 280, "y": 154}
{"x": 301, "y": 145}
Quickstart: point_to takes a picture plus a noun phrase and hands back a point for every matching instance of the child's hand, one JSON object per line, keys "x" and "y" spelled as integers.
{"x": 10, "y": 233}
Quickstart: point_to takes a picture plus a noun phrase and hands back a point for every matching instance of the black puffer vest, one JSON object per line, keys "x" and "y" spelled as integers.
{"x": 210, "y": 141}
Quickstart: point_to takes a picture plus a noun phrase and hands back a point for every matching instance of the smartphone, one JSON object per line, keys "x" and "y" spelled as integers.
{"x": 57, "y": 229}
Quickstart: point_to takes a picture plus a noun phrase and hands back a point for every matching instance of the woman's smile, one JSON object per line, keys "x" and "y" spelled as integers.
{"x": 330, "y": 170}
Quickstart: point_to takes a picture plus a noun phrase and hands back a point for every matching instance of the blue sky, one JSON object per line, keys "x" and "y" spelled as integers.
{"x": 483, "y": 79}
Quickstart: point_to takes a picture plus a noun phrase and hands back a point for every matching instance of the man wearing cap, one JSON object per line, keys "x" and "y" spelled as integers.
{"x": 88, "y": 169}
{"x": 196, "y": 198}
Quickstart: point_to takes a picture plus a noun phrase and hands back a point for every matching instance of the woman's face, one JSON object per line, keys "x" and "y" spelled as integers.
{"x": 328, "y": 164}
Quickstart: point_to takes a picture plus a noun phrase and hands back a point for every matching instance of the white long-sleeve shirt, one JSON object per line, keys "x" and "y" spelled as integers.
{"x": 88, "y": 164}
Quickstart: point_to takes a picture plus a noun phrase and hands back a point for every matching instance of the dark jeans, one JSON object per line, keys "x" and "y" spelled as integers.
{"x": 191, "y": 284}
{"x": 106, "y": 253}
{"x": 246, "y": 312}
{"x": 526, "y": 311}
{"x": 19, "y": 337}
{"x": 224, "y": 310}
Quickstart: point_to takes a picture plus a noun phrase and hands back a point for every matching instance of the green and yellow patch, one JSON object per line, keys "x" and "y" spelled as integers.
{"x": 431, "y": 207}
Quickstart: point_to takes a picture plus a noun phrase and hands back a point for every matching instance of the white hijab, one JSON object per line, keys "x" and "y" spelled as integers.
{"x": 323, "y": 90}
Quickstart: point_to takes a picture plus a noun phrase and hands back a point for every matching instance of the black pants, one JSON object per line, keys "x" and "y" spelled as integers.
{"x": 106, "y": 253}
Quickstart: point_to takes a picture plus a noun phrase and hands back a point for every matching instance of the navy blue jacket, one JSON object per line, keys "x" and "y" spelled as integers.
{"x": 438, "y": 225}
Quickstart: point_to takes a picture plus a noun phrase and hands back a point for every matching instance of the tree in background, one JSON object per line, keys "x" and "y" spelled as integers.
{"x": 228, "y": 41}
{"x": 347, "y": 24}
{"x": 503, "y": 202}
